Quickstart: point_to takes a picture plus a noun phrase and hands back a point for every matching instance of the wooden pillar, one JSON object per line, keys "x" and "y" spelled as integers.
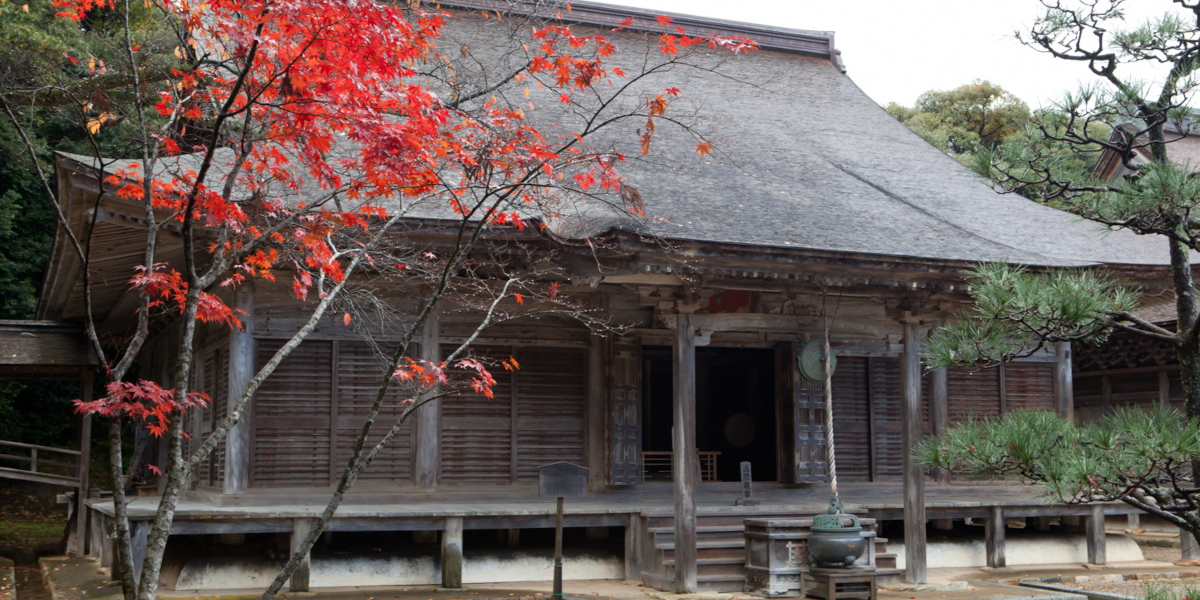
{"x": 1064, "y": 384}
{"x": 427, "y": 462}
{"x": 632, "y": 531}
{"x": 301, "y": 528}
{"x": 1105, "y": 395}
{"x": 686, "y": 470}
{"x": 242, "y": 367}
{"x": 77, "y": 545}
{"x": 914, "y": 475}
{"x": 1164, "y": 388}
{"x": 597, "y": 404}
{"x": 139, "y": 533}
{"x": 1188, "y": 548}
{"x": 939, "y": 411}
{"x": 97, "y": 537}
{"x": 1096, "y": 552}
{"x": 994, "y": 538}
{"x": 452, "y": 553}
{"x": 1133, "y": 521}
{"x": 107, "y": 547}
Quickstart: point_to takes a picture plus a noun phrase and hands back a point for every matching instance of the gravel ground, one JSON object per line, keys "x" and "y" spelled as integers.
{"x": 1138, "y": 589}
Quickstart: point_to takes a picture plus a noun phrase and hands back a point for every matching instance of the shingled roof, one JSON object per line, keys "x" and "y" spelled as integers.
{"x": 806, "y": 160}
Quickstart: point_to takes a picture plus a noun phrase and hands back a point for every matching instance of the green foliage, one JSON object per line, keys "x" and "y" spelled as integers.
{"x": 1152, "y": 590}
{"x": 61, "y": 73}
{"x": 1042, "y": 152}
{"x": 1016, "y": 311}
{"x": 38, "y": 412}
{"x": 960, "y": 122}
{"x": 1141, "y": 457}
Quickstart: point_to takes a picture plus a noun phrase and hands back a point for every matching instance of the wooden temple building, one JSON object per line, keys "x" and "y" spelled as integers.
{"x": 831, "y": 202}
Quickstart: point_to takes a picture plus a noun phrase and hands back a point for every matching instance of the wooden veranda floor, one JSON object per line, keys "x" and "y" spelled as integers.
{"x": 268, "y": 510}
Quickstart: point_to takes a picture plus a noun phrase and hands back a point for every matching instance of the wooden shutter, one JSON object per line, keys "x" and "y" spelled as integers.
{"x": 886, "y": 405}
{"x": 867, "y": 418}
{"x": 1031, "y": 385}
{"x": 851, "y": 419}
{"x": 359, "y": 371}
{"x": 550, "y": 396}
{"x": 973, "y": 395}
{"x": 477, "y": 431}
{"x": 808, "y": 409}
{"x": 625, "y": 411}
{"x": 291, "y": 417}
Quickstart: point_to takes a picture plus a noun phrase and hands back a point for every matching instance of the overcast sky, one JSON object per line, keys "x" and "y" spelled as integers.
{"x": 897, "y": 49}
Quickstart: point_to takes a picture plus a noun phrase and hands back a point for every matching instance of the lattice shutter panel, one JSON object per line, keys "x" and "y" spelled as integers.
{"x": 851, "y": 419}
{"x": 212, "y": 378}
{"x": 551, "y": 392}
{"x": 360, "y": 370}
{"x": 808, "y": 406}
{"x": 625, "y": 412}
{"x": 291, "y": 417}
{"x": 218, "y": 391}
{"x": 1031, "y": 385}
{"x": 973, "y": 395}
{"x": 477, "y": 432}
{"x": 199, "y": 421}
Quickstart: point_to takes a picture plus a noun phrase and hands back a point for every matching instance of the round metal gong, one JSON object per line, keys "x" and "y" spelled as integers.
{"x": 810, "y": 361}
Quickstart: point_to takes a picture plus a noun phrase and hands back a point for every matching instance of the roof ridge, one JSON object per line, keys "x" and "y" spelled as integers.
{"x": 801, "y": 41}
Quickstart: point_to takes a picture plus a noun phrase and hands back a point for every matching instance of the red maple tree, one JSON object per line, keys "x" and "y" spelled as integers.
{"x": 291, "y": 137}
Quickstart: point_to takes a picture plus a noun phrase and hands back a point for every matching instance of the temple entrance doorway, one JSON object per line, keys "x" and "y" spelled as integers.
{"x": 736, "y": 407}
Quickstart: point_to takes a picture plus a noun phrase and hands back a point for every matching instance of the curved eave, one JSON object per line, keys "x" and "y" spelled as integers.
{"x": 778, "y": 262}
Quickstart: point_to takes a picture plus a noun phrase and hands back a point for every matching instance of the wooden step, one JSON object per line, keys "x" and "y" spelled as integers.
{"x": 885, "y": 560}
{"x": 892, "y": 575}
{"x": 721, "y": 583}
{"x": 728, "y": 560}
{"x": 703, "y": 544}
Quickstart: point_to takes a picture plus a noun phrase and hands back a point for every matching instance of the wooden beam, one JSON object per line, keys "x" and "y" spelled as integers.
{"x": 301, "y": 528}
{"x": 686, "y": 470}
{"x": 595, "y": 416}
{"x": 428, "y": 447}
{"x": 1097, "y": 553}
{"x": 914, "y": 475}
{"x": 994, "y": 538}
{"x": 452, "y": 553}
{"x": 1064, "y": 385}
{"x": 242, "y": 365}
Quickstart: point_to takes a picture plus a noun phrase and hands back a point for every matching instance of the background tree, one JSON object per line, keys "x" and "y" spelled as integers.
{"x": 978, "y": 115}
{"x": 295, "y": 139}
{"x": 1017, "y": 312}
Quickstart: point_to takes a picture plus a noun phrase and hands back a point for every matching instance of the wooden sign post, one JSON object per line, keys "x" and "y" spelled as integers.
{"x": 561, "y": 480}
